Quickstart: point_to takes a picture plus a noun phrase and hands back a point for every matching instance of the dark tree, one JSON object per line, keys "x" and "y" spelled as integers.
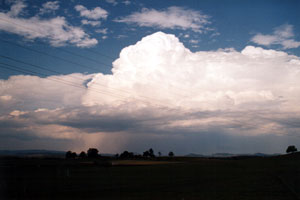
{"x": 127, "y": 154}
{"x": 69, "y": 154}
{"x": 92, "y": 153}
{"x": 171, "y": 154}
{"x": 291, "y": 149}
{"x": 151, "y": 153}
{"x": 159, "y": 153}
{"x": 82, "y": 154}
{"x": 146, "y": 154}
{"x": 74, "y": 155}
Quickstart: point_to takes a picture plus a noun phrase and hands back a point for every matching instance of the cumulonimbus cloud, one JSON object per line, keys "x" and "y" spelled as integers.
{"x": 161, "y": 68}
{"x": 160, "y": 92}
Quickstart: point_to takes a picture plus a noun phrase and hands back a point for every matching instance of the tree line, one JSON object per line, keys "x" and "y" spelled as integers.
{"x": 94, "y": 153}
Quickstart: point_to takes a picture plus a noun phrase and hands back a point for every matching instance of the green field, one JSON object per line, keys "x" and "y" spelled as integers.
{"x": 179, "y": 178}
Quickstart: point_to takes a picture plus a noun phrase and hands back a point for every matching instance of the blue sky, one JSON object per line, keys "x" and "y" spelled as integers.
{"x": 124, "y": 74}
{"x": 230, "y": 24}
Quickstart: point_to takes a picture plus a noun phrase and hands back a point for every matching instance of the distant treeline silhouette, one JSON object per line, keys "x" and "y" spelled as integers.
{"x": 94, "y": 153}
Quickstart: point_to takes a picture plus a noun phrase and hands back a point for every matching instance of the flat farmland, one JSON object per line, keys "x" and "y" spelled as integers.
{"x": 177, "y": 178}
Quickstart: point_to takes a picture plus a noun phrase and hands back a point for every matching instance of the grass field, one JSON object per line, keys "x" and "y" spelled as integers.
{"x": 180, "y": 178}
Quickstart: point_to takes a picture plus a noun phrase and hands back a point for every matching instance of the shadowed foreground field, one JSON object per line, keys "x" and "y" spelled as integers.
{"x": 179, "y": 178}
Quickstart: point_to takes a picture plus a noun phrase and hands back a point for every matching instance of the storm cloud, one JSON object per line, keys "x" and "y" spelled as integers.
{"x": 162, "y": 95}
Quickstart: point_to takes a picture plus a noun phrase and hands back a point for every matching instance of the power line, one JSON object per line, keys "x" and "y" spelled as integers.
{"x": 93, "y": 51}
{"x": 65, "y": 60}
{"x": 50, "y": 55}
{"x": 63, "y": 50}
{"x": 81, "y": 56}
{"x": 58, "y": 73}
{"x": 22, "y": 70}
{"x": 98, "y": 53}
{"x": 31, "y": 72}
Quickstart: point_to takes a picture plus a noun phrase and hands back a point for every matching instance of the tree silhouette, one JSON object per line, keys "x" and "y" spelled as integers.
{"x": 151, "y": 153}
{"x": 71, "y": 154}
{"x": 171, "y": 154}
{"x": 82, "y": 154}
{"x": 146, "y": 154}
{"x": 159, "y": 154}
{"x": 127, "y": 154}
{"x": 291, "y": 149}
{"x": 92, "y": 153}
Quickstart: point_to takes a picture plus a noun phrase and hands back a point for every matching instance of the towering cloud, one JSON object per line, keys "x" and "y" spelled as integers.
{"x": 160, "y": 67}
{"x": 162, "y": 95}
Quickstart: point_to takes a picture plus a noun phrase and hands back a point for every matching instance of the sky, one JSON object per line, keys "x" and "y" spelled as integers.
{"x": 204, "y": 77}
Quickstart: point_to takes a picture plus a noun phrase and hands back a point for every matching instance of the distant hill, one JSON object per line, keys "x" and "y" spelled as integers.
{"x": 194, "y": 155}
{"x": 229, "y": 155}
{"x": 31, "y": 152}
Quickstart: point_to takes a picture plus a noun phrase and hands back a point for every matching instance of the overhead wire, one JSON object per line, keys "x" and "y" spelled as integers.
{"x": 63, "y": 59}
{"x": 99, "y": 53}
{"x": 50, "y": 55}
{"x": 33, "y": 31}
{"x": 58, "y": 73}
{"x": 31, "y": 72}
{"x": 93, "y": 89}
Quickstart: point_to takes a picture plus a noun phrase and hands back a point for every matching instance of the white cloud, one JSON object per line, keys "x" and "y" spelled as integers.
{"x": 193, "y": 41}
{"x": 48, "y": 7}
{"x": 103, "y": 31}
{"x": 161, "y": 93}
{"x": 213, "y": 80}
{"x": 16, "y": 9}
{"x": 127, "y": 2}
{"x": 113, "y": 2}
{"x": 172, "y": 18}
{"x": 92, "y": 23}
{"x": 282, "y": 35}
{"x": 17, "y": 113}
{"x": 121, "y": 36}
{"x": 96, "y": 13}
{"x": 55, "y": 30}
{"x": 42, "y": 92}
